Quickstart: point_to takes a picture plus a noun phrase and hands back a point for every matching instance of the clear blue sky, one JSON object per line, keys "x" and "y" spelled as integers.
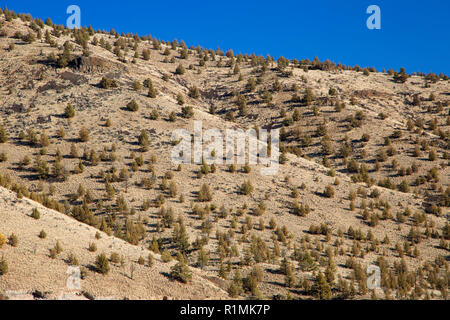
{"x": 414, "y": 34}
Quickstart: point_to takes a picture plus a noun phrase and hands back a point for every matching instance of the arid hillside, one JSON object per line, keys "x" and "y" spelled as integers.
{"x": 86, "y": 127}
{"x": 34, "y": 273}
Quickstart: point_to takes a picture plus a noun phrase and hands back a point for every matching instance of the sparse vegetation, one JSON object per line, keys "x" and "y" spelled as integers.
{"x": 353, "y": 188}
{"x": 69, "y": 112}
{"x": 83, "y": 135}
{"x": 36, "y": 214}
{"x": 102, "y": 264}
{"x": 205, "y": 193}
{"x": 107, "y": 83}
{"x": 3, "y": 266}
{"x": 132, "y": 106}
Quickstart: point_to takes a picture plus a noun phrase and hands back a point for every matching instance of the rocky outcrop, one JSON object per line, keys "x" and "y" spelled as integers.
{"x": 94, "y": 64}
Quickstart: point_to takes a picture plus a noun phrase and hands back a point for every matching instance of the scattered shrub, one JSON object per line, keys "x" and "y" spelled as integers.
{"x": 180, "y": 70}
{"x": 187, "y": 112}
{"x": 92, "y": 247}
{"x": 205, "y": 193}
{"x": 3, "y": 266}
{"x": 132, "y": 106}
{"x": 83, "y": 135}
{"x": 329, "y": 191}
{"x": 13, "y": 240}
{"x": 69, "y": 111}
{"x": 36, "y": 214}
{"x": 181, "y": 272}
{"x": 3, "y": 135}
{"x": 102, "y": 264}
{"x": 107, "y": 83}
{"x": 42, "y": 234}
{"x": 2, "y": 240}
{"x": 246, "y": 188}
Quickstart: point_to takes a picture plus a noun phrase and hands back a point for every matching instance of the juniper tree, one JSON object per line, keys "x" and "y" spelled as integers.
{"x": 146, "y": 54}
{"x": 234, "y": 290}
{"x": 151, "y": 90}
{"x": 321, "y": 288}
{"x": 308, "y": 97}
{"x": 172, "y": 189}
{"x": 205, "y": 193}
{"x": 150, "y": 260}
{"x": 102, "y": 264}
{"x": 267, "y": 97}
{"x": 184, "y": 53}
{"x": 251, "y": 282}
{"x": 236, "y": 70}
{"x": 3, "y": 135}
{"x": 42, "y": 234}
{"x": 432, "y": 155}
{"x": 246, "y": 188}
{"x": 180, "y": 99}
{"x": 84, "y": 135}
{"x": 3, "y": 266}
{"x": 229, "y": 116}
{"x": 137, "y": 86}
{"x": 289, "y": 277}
{"x": 329, "y": 191}
{"x": 73, "y": 151}
{"x": 251, "y": 85}
{"x": 180, "y": 70}
{"x": 187, "y": 112}
{"x": 223, "y": 272}
{"x": 43, "y": 139}
{"x": 193, "y": 92}
{"x": 242, "y": 104}
{"x": 181, "y": 272}
{"x": 58, "y": 247}
{"x": 260, "y": 209}
{"x": 49, "y": 22}
{"x": 2, "y": 240}
{"x": 35, "y": 214}
{"x": 143, "y": 141}
{"x": 416, "y": 100}
{"x": 61, "y": 133}
{"x": 172, "y": 116}
{"x": 203, "y": 258}
{"x": 401, "y": 77}
{"x": 65, "y": 57}
{"x": 132, "y": 106}
{"x": 107, "y": 83}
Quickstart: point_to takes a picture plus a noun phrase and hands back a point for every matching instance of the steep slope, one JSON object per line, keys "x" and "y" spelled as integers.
{"x": 31, "y": 269}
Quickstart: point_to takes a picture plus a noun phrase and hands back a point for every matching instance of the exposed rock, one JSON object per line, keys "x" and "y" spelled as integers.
{"x": 51, "y": 85}
{"x": 44, "y": 119}
{"x": 74, "y": 78}
{"x": 94, "y": 64}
